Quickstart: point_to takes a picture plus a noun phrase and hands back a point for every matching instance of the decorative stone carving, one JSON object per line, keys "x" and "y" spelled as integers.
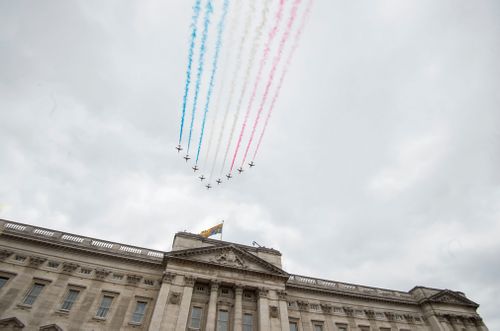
{"x": 229, "y": 258}
{"x": 390, "y": 316}
{"x": 69, "y": 267}
{"x": 448, "y": 299}
{"x": 168, "y": 277}
{"x": 349, "y": 311}
{"x": 133, "y": 279}
{"x": 263, "y": 292}
{"x": 370, "y": 314}
{"x": 174, "y": 298}
{"x": 214, "y": 286}
{"x": 281, "y": 295}
{"x": 303, "y": 305}
{"x": 5, "y": 254}
{"x": 326, "y": 308}
{"x": 238, "y": 290}
{"x": 101, "y": 273}
{"x": 189, "y": 281}
{"x": 36, "y": 261}
{"x": 409, "y": 318}
{"x": 51, "y": 327}
{"x": 12, "y": 323}
{"x": 274, "y": 311}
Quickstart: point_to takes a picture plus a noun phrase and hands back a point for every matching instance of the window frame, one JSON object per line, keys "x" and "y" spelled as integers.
{"x": 104, "y": 294}
{"x": 29, "y": 292}
{"x": 135, "y": 313}
{"x": 191, "y": 318}
{"x": 71, "y": 287}
{"x": 221, "y": 322}
{"x": 243, "y": 324}
{"x": 8, "y": 276}
{"x": 294, "y": 322}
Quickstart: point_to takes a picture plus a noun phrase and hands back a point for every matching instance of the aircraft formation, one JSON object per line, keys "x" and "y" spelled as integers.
{"x": 248, "y": 47}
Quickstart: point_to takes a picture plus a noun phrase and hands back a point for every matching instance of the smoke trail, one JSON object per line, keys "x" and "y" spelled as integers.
{"x": 208, "y": 11}
{"x": 194, "y": 22}
{"x": 218, "y": 44}
{"x": 263, "y": 61}
{"x": 255, "y": 44}
{"x": 233, "y": 27}
{"x": 270, "y": 79}
{"x": 285, "y": 71}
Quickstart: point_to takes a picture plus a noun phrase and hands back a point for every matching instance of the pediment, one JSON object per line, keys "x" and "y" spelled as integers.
{"x": 12, "y": 322}
{"x": 51, "y": 327}
{"x": 450, "y": 297}
{"x": 229, "y": 256}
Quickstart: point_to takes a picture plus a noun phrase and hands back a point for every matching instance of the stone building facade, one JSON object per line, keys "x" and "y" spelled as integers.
{"x": 52, "y": 280}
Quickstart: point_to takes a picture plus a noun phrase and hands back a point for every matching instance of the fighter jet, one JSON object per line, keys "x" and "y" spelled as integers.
{"x": 187, "y": 158}
{"x": 201, "y": 178}
{"x": 251, "y": 164}
{"x": 195, "y": 168}
{"x": 229, "y": 176}
{"x": 178, "y": 148}
{"x": 208, "y": 186}
{"x": 240, "y": 170}
{"x": 219, "y": 181}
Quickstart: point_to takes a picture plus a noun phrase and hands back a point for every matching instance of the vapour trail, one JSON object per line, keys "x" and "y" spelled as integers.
{"x": 270, "y": 79}
{"x": 297, "y": 36}
{"x": 194, "y": 22}
{"x": 263, "y": 61}
{"x": 201, "y": 61}
{"x": 253, "y": 51}
{"x": 218, "y": 45}
{"x": 233, "y": 27}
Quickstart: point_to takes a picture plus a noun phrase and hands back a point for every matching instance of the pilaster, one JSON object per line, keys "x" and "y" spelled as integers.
{"x": 161, "y": 302}
{"x": 212, "y": 306}
{"x": 263, "y": 309}
{"x": 238, "y": 313}
{"x": 187, "y": 294}
{"x": 283, "y": 306}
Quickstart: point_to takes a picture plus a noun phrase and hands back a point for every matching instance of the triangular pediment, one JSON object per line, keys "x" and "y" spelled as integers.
{"x": 51, "y": 327}
{"x": 228, "y": 256}
{"x": 12, "y": 322}
{"x": 451, "y": 297}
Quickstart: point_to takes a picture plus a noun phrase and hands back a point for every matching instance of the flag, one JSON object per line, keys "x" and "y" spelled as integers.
{"x": 211, "y": 231}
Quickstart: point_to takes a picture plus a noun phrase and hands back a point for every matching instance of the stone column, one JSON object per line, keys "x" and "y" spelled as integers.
{"x": 263, "y": 309}
{"x": 283, "y": 306}
{"x": 187, "y": 294}
{"x": 161, "y": 302}
{"x": 212, "y": 307}
{"x": 238, "y": 309}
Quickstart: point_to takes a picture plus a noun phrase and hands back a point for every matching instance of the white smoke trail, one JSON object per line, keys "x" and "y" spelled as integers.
{"x": 250, "y": 63}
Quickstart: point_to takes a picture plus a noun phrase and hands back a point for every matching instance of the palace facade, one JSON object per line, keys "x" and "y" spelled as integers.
{"x": 52, "y": 280}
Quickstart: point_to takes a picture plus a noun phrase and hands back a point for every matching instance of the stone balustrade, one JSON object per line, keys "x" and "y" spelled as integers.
{"x": 9, "y": 227}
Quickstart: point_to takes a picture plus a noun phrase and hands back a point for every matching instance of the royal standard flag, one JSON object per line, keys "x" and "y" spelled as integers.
{"x": 213, "y": 230}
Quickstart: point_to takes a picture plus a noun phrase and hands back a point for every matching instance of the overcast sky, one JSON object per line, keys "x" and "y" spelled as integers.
{"x": 380, "y": 166}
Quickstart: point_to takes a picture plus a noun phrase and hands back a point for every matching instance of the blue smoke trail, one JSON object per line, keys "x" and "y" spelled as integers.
{"x": 218, "y": 45}
{"x": 194, "y": 22}
{"x": 208, "y": 11}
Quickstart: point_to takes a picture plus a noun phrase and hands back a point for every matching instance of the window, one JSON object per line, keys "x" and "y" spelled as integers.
{"x": 104, "y": 306}
{"x": 33, "y": 293}
{"x": 20, "y": 258}
{"x": 195, "y": 318}
{"x": 293, "y": 326}
{"x": 117, "y": 276}
{"x": 3, "y": 280}
{"x": 140, "y": 309}
{"x": 318, "y": 327}
{"x": 247, "y": 322}
{"x": 342, "y": 327}
{"x": 222, "y": 320}
{"x": 85, "y": 271}
{"x": 70, "y": 299}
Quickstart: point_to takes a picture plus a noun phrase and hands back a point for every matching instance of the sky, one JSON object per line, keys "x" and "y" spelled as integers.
{"x": 379, "y": 165}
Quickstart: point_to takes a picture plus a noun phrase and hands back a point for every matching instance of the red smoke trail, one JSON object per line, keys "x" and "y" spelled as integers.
{"x": 303, "y": 22}
{"x": 263, "y": 61}
{"x": 270, "y": 79}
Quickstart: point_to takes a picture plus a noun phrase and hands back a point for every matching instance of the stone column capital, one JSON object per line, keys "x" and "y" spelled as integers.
{"x": 282, "y": 295}
{"x": 214, "y": 285}
{"x": 189, "y": 280}
{"x": 168, "y": 277}
{"x": 238, "y": 289}
{"x": 263, "y": 292}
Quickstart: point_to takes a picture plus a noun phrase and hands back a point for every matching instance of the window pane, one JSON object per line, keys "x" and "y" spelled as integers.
{"x": 70, "y": 299}
{"x": 138, "y": 315}
{"x": 293, "y": 326}
{"x": 318, "y": 328}
{"x": 222, "y": 320}
{"x": 33, "y": 294}
{"x": 104, "y": 307}
{"x": 196, "y": 317}
{"x": 247, "y": 322}
{"x": 3, "y": 280}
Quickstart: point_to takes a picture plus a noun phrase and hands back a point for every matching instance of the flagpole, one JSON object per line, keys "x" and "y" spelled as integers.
{"x": 222, "y": 229}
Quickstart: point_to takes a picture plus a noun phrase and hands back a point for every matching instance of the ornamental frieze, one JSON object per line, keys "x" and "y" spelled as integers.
{"x": 36, "y": 261}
